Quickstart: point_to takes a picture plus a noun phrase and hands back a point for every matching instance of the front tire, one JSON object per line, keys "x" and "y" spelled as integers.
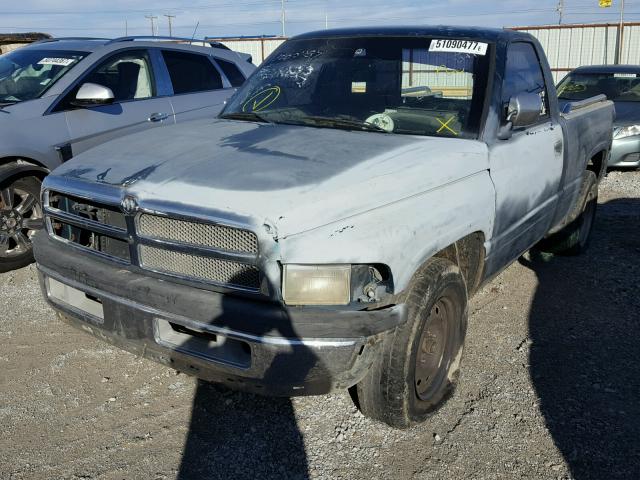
{"x": 418, "y": 366}
{"x": 20, "y": 218}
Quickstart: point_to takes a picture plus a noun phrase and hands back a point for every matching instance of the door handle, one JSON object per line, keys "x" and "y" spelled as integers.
{"x": 558, "y": 147}
{"x": 157, "y": 117}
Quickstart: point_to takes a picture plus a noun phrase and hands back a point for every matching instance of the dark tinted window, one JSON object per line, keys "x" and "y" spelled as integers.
{"x": 523, "y": 73}
{"x": 191, "y": 73}
{"x": 232, "y": 72}
{"x": 619, "y": 87}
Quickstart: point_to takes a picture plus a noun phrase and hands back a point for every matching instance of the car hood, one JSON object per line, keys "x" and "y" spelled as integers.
{"x": 291, "y": 177}
{"x": 627, "y": 113}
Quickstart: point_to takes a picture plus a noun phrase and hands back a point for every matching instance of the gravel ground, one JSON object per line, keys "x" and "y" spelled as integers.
{"x": 550, "y": 389}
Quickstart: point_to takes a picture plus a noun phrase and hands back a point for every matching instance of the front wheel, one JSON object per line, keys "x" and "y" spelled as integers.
{"x": 418, "y": 366}
{"x": 20, "y": 218}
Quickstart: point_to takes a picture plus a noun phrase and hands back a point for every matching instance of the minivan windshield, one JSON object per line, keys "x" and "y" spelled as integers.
{"x": 400, "y": 85}
{"x": 618, "y": 87}
{"x": 26, "y": 74}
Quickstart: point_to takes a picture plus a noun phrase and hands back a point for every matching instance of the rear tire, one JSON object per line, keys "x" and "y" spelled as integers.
{"x": 574, "y": 238}
{"x": 20, "y": 218}
{"x": 418, "y": 366}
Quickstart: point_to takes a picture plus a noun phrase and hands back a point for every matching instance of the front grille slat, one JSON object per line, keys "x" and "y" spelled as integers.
{"x": 197, "y": 233}
{"x": 199, "y": 267}
{"x": 202, "y": 252}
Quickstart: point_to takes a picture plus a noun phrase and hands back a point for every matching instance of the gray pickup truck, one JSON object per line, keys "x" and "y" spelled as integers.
{"x": 327, "y": 230}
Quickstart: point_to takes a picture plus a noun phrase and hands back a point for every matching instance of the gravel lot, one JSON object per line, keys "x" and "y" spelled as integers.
{"x": 550, "y": 389}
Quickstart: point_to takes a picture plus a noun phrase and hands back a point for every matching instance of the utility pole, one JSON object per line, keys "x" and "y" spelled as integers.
{"x": 326, "y": 20}
{"x": 283, "y": 17}
{"x": 153, "y": 28}
{"x": 621, "y": 46}
{"x": 560, "y": 10}
{"x": 169, "y": 17}
{"x": 126, "y": 28}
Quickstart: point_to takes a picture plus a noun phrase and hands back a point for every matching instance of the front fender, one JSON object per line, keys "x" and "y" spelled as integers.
{"x": 403, "y": 234}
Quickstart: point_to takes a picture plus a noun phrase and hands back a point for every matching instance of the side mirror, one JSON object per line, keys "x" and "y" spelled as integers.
{"x": 92, "y": 94}
{"x": 524, "y": 109}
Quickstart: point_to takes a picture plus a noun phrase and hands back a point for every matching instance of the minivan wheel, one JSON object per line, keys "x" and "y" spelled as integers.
{"x": 418, "y": 366}
{"x": 20, "y": 217}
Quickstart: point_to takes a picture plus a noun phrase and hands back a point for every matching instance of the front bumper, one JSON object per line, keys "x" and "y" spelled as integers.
{"x": 247, "y": 344}
{"x": 625, "y": 153}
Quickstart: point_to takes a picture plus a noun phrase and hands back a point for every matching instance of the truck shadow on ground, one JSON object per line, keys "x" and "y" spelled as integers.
{"x": 233, "y": 434}
{"x": 584, "y": 327}
{"x": 241, "y": 435}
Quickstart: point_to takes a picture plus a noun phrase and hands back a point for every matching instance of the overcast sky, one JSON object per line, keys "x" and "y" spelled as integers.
{"x": 262, "y": 17}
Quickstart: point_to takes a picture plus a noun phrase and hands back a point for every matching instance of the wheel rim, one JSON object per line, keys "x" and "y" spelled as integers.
{"x": 432, "y": 357}
{"x": 20, "y": 218}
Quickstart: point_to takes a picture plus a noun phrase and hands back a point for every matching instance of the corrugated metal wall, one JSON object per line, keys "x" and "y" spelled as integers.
{"x": 567, "y": 46}
{"x": 259, "y": 48}
{"x": 571, "y": 46}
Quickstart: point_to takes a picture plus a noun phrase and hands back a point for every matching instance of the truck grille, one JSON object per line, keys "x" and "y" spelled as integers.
{"x": 199, "y": 267}
{"x": 196, "y": 233}
{"x": 188, "y": 249}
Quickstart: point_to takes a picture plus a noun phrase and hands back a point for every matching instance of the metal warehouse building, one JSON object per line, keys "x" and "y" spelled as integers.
{"x": 567, "y": 46}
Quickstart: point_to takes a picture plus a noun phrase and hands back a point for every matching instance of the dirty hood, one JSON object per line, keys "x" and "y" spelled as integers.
{"x": 291, "y": 177}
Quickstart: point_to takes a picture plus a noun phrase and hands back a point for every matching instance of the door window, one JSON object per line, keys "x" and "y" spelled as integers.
{"x": 191, "y": 72}
{"x": 523, "y": 73}
{"x": 128, "y": 75}
{"x": 232, "y": 72}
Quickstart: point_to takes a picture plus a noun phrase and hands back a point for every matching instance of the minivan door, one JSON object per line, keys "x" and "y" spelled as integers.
{"x": 136, "y": 106}
{"x": 199, "y": 90}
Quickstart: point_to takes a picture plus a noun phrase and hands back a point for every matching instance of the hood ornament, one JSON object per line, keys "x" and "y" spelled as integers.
{"x": 129, "y": 204}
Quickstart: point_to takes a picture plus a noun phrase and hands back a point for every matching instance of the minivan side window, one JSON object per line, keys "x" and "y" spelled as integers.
{"x": 191, "y": 72}
{"x": 523, "y": 73}
{"x": 232, "y": 72}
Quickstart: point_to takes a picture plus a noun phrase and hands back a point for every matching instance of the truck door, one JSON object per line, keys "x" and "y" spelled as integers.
{"x": 526, "y": 169}
{"x": 198, "y": 87}
{"x": 136, "y": 107}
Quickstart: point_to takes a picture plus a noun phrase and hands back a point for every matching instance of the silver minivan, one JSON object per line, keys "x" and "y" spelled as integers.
{"x": 60, "y": 97}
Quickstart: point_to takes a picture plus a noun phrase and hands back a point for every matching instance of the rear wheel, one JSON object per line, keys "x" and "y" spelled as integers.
{"x": 20, "y": 217}
{"x": 574, "y": 238}
{"x": 418, "y": 367}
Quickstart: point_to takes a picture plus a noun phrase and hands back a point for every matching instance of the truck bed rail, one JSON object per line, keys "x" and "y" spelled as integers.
{"x": 587, "y": 102}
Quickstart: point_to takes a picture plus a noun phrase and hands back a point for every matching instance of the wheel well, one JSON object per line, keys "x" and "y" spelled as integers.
{"x": 30, "y": 161}
{"x": 468, "y": 254}
{"x": 597, "y": 164}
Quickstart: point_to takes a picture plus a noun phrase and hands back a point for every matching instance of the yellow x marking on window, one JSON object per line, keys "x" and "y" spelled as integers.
{"x": 445, "y": 125}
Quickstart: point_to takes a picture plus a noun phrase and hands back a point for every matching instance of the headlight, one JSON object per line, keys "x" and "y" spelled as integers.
{"x": 627, "y": 131}
{"x": 316, "y": 284}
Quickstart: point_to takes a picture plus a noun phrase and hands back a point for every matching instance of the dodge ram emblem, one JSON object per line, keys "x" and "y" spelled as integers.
{"x": 129, "y": 204}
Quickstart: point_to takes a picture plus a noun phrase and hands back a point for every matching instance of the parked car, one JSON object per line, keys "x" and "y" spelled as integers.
{"x": 60, "y": 97}
{"x": 621, "y": 85}
{"x": 329, "y": 228}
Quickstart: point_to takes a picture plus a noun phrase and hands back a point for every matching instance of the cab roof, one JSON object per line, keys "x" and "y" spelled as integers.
{"x": 480, "y": 33}
{"x": 608, "y": 69}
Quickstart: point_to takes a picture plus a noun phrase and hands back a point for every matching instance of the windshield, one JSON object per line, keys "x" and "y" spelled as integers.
{"x": 618, "y": 87}
{"x": 26, "y": 74}
{"x": 399, "y": 85}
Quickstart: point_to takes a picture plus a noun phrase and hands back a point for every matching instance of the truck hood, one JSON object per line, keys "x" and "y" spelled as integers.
{"x": 293, "y": 178}
{"x": 627, "y": 113}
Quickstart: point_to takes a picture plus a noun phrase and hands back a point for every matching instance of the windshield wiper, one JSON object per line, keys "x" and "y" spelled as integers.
{"x": 248, "y": 116}
{"x": 345, "y": 122}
